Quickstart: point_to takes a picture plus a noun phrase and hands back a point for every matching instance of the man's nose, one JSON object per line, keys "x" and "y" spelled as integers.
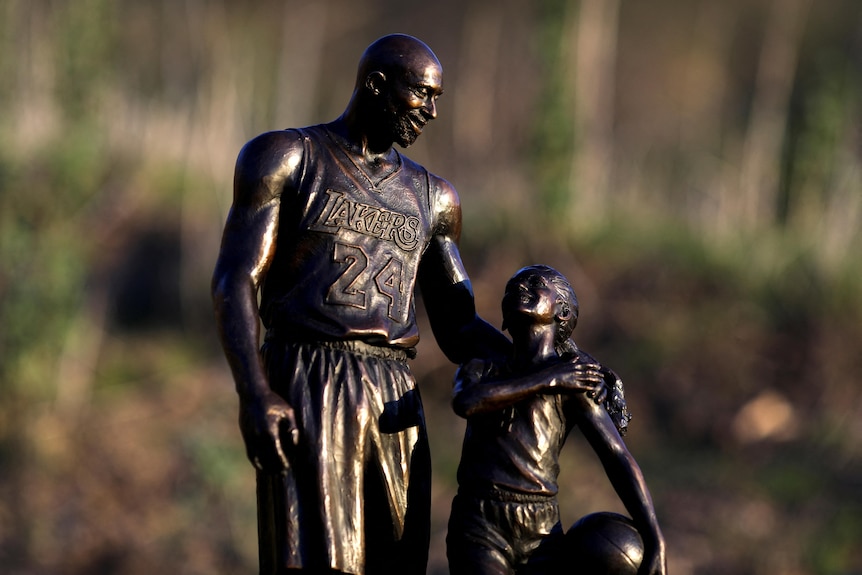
{"x": 431, "y": 108}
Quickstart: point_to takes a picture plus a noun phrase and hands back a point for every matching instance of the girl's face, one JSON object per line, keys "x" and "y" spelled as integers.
{"x": 531, "y": 294}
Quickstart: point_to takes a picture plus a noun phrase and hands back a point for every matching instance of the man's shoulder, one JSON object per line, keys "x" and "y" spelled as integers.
{"x": 272, "y": 151}
{"x": 444, "y": 189}
{"x": 445, "y": 199}
{"x": 267, "y": 163}
{"x": 274, "y": 141}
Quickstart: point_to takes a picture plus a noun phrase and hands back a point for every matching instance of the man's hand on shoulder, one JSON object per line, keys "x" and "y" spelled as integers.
{"x": 574, "y": 375}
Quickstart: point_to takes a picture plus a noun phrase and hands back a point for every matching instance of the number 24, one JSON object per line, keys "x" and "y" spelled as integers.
{"x": 347, "y": 289}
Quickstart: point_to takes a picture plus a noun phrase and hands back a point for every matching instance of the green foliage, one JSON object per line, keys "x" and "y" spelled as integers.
{"x": 45, "y": 257}
{"x": 821, "y": 146}
{"x": 553, "y": 132}
{"x": 834, "y": 550}
{"x": 85, "y": 40}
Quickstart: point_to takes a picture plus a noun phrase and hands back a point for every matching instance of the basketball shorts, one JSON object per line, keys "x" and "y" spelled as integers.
{"x": 489, "y": 536}
{"x": 356, "y": 496}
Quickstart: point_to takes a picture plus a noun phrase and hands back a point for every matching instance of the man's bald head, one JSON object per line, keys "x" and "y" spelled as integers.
{"x": 395, "y": 55}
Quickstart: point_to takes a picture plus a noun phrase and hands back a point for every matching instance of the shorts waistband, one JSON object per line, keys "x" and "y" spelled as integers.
{"x": 507, "y": 496}
{"x": 356, "y": 346}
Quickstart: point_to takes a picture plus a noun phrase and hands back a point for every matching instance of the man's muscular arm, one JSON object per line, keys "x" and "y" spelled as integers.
{"x": 266, "y": 166}
{"x": 446, "y": 289}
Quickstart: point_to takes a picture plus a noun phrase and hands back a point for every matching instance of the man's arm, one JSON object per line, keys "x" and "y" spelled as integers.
{"x": 265, "y": 167}
{"x": 446, "y": 289}
{"x": 627, "y": 479}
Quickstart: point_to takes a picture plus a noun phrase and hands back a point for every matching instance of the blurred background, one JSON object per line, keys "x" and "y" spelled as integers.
{"x": 694, "y": 167}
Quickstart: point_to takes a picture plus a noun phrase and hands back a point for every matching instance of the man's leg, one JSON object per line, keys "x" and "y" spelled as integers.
{"x": 386, "y": 552}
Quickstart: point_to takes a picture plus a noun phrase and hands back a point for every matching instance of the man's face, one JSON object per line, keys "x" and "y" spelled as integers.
{"x": 412, "y": 101}
{"x": 530, "y": 294}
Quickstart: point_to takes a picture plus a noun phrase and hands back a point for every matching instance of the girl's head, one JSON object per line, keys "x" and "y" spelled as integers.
{"x": 527, "y": 292}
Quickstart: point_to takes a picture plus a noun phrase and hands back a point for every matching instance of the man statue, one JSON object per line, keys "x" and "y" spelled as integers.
{"x": 335, "y": 227}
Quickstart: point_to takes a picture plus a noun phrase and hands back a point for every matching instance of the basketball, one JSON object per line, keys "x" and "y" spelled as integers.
{"x": 604, "y": 544}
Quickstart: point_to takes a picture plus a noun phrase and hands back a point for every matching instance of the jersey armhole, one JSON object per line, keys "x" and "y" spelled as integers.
{"x": 303, "y": 168}
{"x": 430, "y": 200}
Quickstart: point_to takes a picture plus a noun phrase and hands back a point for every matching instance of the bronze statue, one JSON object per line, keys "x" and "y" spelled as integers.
{"x": 335, "y": 227}
{"x": 505, "y": 517}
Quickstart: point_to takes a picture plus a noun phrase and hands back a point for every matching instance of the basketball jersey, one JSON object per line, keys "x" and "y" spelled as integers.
{"x": 516, "y": 449}
{"x": 348, "y": 249}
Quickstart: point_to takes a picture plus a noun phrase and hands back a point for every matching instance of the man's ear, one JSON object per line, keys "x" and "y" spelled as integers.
{"x": 374, "y": 82}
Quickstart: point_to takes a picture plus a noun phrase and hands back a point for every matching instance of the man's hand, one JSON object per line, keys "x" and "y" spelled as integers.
{"x": 269, "y": 429}
{"x": 581, "y": 377}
